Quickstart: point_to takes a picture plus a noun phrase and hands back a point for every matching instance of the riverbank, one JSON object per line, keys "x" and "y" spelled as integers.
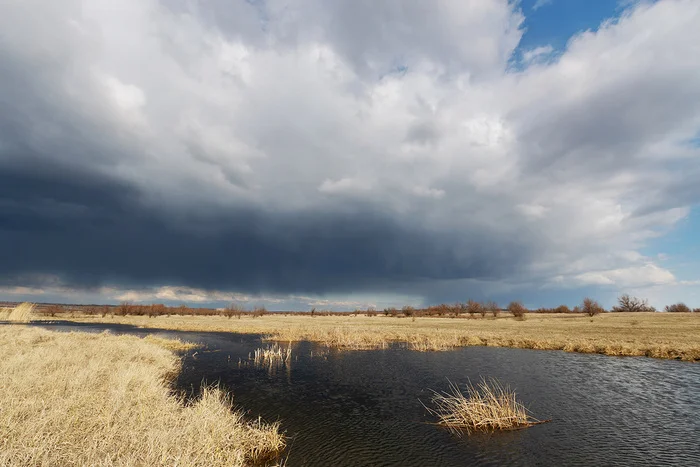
{"x": 658, "y": 335}
{"x": 99, "y": 399}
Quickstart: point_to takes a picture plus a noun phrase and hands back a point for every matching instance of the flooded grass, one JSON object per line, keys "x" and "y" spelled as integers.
{"x": 489, "y": 406}
{"x": 272, "y": 357}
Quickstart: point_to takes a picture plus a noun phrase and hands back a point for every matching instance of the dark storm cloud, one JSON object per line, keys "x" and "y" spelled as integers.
{"x": 91, "y": 230}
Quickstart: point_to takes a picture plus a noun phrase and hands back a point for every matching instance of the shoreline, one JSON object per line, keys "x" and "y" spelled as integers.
{"x": 654, "y": 335}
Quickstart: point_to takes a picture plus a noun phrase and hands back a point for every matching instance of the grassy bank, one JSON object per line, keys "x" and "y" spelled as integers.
{"x": 659, "y": 335}
{"x": 103, "y": 400}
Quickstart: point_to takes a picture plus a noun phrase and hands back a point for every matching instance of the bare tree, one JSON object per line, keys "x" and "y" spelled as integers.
{"x": 492, "y": 307}
{"x": 591, "y": 307}
{"x": 628, "y": 304}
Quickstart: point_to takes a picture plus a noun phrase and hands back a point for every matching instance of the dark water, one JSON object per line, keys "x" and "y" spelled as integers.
{"x": 363, "y": 408}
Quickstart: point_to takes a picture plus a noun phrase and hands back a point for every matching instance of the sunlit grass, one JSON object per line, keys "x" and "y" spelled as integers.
{"x": 22, "y": 313}
{"x": 488, "y": 406}
{"x": 272, "y": 357}
{"x": 659, "y": 335}
{"x": 104, "y": 400}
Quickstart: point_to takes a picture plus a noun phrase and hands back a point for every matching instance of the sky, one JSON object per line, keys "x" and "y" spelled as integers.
{"x": 338, "y": 154}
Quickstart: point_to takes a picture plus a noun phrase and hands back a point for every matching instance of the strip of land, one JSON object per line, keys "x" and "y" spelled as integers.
{"x": 658, "y": 335}
{"x": 104, "y": 400}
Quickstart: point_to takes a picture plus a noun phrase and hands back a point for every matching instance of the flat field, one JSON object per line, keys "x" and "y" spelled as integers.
{"x": 659, "y": 335}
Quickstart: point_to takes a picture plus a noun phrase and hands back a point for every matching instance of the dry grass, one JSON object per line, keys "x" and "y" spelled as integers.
{"x": 104, "y": 400}
{"x": 659, "y": 335}
{"x": 486, "y": 407}
{"x": 272, "y": 357}
{"x": 22, "y": 313}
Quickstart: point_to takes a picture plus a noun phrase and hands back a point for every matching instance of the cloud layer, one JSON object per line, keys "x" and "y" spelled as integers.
{"x": 326, "y": 147}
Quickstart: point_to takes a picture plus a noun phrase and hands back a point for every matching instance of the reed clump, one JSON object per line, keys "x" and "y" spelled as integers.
{"x": 489, "y": 406}
{"x": 273, "y": 356}
{"x": 22, "y": 313}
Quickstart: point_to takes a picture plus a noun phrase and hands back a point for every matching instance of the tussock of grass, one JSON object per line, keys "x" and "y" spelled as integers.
{"x": 487, "y": 407}
{"x": 22, "y": 313}
{"x": 103, "y": 400}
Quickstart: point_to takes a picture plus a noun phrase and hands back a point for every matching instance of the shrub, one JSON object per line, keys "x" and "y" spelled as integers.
{"x": 53, "y": 310}
{"x": 696, "y": 310}
{"x": 474, "y": 307}
{"x": 628, "y": 304}
{"x": 678, "y": 308}
{"x": 124, "y": 308}
{"x": 259, "y": 311}
{"x": 408, "y": 311}
{"x": 233, "y": 309}
{"x": 562, "y": 309}
{"x": 492, "y": 307}
{"x": 391, "y": 311}
{"x": 517, "y": 309}
{"x": 591, "y": 307}
{"x": 93, "y": 310}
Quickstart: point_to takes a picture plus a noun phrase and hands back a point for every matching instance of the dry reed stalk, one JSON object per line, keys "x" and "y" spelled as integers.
{"x": 272, "y": 357}
{"x": 489, "y": 406}
{"x": 22, "y": 313}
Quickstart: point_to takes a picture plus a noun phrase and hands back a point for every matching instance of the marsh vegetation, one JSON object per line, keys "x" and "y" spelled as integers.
{"x": 104, "y": 400}
{"x": 488, "y": 406}
{"x": 658, "y": 335}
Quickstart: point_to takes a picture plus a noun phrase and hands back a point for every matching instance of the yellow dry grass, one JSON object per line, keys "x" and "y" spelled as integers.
{"x": 659, "y": 335}
{"x": 273, "y": 356}
{"x": 22, "y": 313}
{"x": 486, "y": 407}
{"x": 104, "y": 400}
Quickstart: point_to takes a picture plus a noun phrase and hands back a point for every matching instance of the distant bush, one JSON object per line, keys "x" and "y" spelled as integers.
{"x": 124, "y": 308}
{"x": 232, "y": 310}
{"x": 371, "y": 311}
{"x": 591, "y": 307}
{"x": 492, "y": 307}
{"x": 628, "y": 304}
{"x": 517, "y": 309}
{"x": 678, "y": 308}
{"x": 457, "y": 308}
{"x": 408, "y": 311}
{"x": 696, "y": 310}
{"x": 474, "y": 307}
{"x": 441, "y": 309}
{"x": 259, "y": 311}
{"x": 562, "y": 309}
{"x": 53, "y": 310}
